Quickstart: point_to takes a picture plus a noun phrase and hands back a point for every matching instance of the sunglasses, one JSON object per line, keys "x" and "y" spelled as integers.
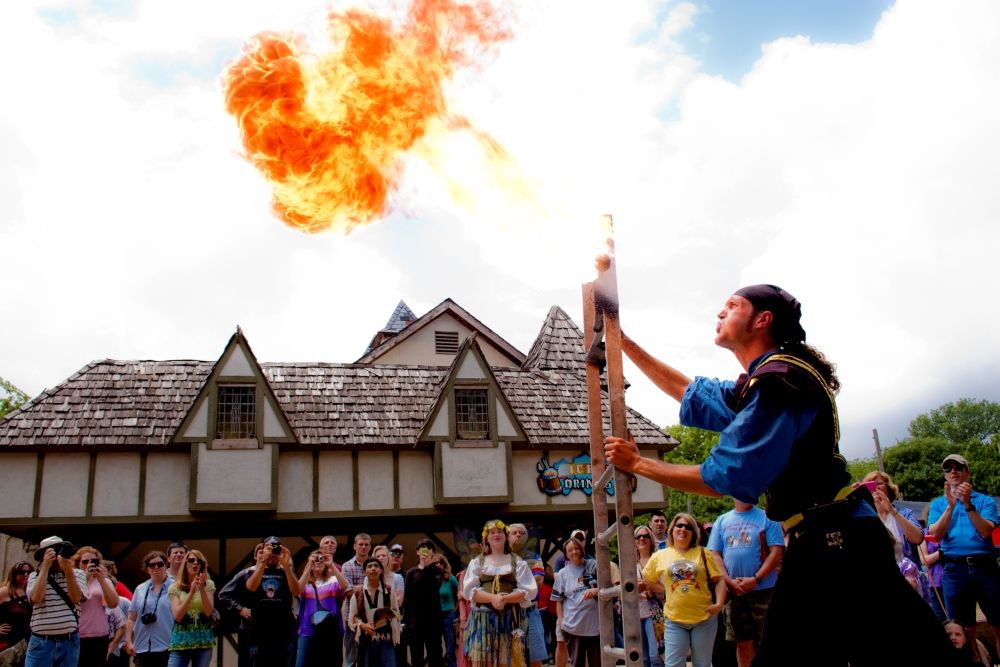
{"x": 155, "y": 565}
{"x": 684, "y": 526}
{"x": 25, "y": 571}
{"x": 952, "y": 467}
{"x": 193, "y": 560}
{"x": 84, "y": 561}
{"x": 643, "y": 536}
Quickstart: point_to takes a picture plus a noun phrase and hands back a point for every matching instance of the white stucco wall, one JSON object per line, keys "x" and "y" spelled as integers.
{"x": 64, "y": 485}
{"x": 416, "y": 480}
{"x": 295, "y": 482}
{"x": 418, "y": 349}
{"x": 168, "y": 480}
{"x": 525, "y": 487}
{"x": 17, "y": 479}
{"x": 470, "y": 472}
{"x": 238, "y": 364}
{"x": 116, "y": 484}
{"x": 336, "y": 482}
{"x": 375, "y": 480}
{"x": 234, "y": 475}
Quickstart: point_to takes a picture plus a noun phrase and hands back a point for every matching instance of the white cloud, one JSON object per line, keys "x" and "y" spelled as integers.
{"x": 860, "y": 177}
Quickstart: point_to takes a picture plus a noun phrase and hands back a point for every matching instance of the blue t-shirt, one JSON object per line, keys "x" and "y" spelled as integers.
{"x": 961, "y": 538}
{"x": 736, "y": 535}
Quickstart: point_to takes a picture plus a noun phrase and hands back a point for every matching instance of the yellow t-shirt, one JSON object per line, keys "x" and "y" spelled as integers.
{"x": 683, "y": 575}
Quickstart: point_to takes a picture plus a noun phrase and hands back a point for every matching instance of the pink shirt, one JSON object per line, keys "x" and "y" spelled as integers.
{"x": 93, "y": 617}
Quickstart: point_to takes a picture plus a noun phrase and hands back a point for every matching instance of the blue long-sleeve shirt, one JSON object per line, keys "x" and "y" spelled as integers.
{"x": 754, "y": 443}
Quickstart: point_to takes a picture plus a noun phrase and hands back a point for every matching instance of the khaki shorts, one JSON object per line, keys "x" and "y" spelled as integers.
{"x": 745, "y": 615}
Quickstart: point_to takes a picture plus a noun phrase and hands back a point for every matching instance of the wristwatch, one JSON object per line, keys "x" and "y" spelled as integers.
{"x": 757, "y": 579}
{"x": 970, "y": 508}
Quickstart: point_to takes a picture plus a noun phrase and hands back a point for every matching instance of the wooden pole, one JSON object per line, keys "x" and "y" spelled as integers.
{"x": 878, "y": 451}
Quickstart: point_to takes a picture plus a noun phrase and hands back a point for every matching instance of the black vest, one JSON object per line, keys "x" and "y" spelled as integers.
{"x": 816, "y": 471}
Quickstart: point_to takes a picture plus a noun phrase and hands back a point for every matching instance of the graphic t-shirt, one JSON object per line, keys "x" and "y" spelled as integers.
{"x": 683, "y": 575}
{"x": 580, "y": 616}
{"x": 271, "y": 608}
{"x": 737, "y": 536}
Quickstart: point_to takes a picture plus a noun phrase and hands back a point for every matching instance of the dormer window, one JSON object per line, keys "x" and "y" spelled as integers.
{"x": 446, "y": 342}
{"x": 236, "y": 413}
{"x": 472, "y": 414}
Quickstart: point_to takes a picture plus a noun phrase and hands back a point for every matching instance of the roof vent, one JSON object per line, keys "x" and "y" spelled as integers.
{"x": 446, "y": 342}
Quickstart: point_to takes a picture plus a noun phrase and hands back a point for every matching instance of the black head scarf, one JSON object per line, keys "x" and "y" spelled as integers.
{"x": 785, "y": 310}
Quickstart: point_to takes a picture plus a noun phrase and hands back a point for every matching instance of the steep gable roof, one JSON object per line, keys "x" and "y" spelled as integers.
{"x": 401, "y": 318}
{"x": 471, "y": 354}
{"x": 238, "y": 360}
{"x": 456, "y": 311}
{"x": 559, "y": 344}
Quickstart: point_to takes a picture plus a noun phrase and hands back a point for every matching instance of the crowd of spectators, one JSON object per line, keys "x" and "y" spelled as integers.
{"x": 698, "y": 581}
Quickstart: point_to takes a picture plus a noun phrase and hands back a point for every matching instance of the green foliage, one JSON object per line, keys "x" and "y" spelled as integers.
{"x": 964, "y": 422}
{"x": 694, "y": 448}
{"x": 861, "y": 467}
{"x": 915, "y": 465}
{"x": 967, "y": 427}
{"x": 11, "y": 397}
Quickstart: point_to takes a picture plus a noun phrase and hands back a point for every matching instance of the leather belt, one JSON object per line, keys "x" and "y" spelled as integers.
{"x": 971, "y": 561}
{"x": 66, "y": 636}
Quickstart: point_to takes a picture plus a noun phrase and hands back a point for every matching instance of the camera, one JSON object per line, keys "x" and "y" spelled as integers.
{"x": 275, "y": 547}
{"x": 148, "y": 617}
{"x": 64, "y": 550}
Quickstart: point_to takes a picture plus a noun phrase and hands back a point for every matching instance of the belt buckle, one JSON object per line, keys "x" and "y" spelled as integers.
{"x": 970, "y": 561}
{"x": 835, "y": 540}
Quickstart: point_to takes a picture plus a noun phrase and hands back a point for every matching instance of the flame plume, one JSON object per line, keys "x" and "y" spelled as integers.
{"x": 328, "y": 130}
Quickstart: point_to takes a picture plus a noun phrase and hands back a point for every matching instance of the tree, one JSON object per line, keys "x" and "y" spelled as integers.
{"x": 694, "y": 448}
{"x": 967, "y": 427}
{"x": 11, "y": 397}
{"x": 915, "y": 466}
{"x": 861, "y": 467}
{"x": 964, "y": 422}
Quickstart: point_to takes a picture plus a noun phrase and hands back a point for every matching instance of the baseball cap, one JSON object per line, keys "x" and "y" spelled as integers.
{"x": 579, "y": 535}
{"x": 397, "y": 548}
{"x": 957, "y": 458}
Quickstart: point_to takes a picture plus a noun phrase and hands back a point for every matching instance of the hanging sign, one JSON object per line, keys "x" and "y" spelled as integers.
{"x": 564, "y": 477}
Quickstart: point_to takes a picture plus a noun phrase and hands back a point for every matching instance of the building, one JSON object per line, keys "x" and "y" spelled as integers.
{"x": 440, "y": 425}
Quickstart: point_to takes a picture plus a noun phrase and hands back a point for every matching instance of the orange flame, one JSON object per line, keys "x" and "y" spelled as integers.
{"x": 328, "y": 131}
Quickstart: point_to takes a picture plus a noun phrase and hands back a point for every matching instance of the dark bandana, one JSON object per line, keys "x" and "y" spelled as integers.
{"x": 784, "y": 308}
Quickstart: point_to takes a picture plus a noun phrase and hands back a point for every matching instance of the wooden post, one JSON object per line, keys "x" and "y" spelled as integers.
{"x": 600, "y": 315}
{"x": 878, "y": 451}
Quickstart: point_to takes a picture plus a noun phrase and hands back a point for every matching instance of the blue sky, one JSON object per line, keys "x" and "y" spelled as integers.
{"x": 728, "y": 34}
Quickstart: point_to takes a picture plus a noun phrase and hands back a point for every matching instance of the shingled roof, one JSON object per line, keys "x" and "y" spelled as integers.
{"x": 559, "y": 344}
{"x": 140, "y": 404}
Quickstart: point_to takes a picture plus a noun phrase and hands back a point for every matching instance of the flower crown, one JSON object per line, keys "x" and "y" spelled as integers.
{"x": 497, "y": 523}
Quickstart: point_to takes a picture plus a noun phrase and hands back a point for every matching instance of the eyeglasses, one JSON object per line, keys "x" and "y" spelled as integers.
{"x": 155, "y": 565}
{"x": 953, "y": 467}
{"x": 84, "y": 561}
{"x": 643, "y": 536}
{"x": 684, "y": 526}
